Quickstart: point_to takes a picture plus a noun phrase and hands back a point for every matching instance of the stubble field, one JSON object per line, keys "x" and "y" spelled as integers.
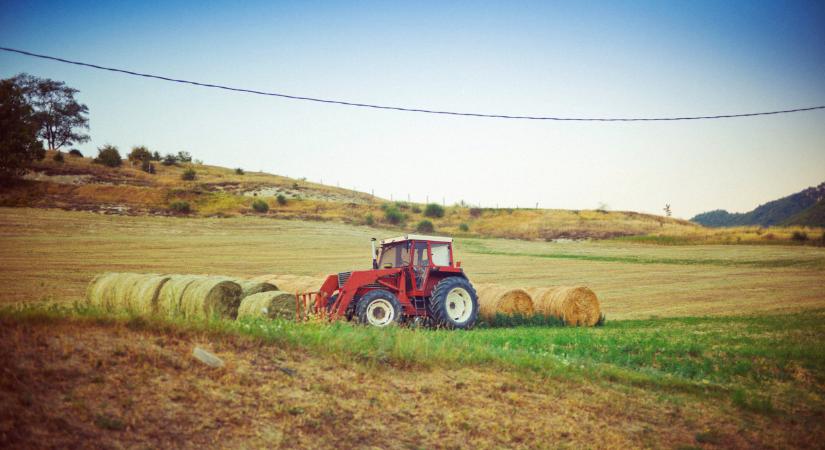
{"x": 708, "y": 346}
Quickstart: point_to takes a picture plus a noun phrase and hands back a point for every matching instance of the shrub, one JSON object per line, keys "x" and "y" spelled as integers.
{"x": 169, "y": 160}
{"x": 416, "y": 209}
{"x": 464, "y": 227}
{"x": 281, "y": 199}
{"x": 239, "y": 171}
{"x": 75, "y": 152}
{"x": 108, "y": 156}
{"x": 184, "y": 157}
{"x": 394, "y": 216}
{"x": 180, "y": 207}
{"x": 189, "y": 174}
{"x": 260, "y": 206}
{"x": 385, "y": 206}
{"x": 434, "y": 210}
{"x": 58, "y": 157}
{"x": 140, "y": 153}
{"x": 147, "y": 167}
{"x": 425, "y": 226}
{"x": 799, "y": 236}
{"x": 402, "y": 205}
{"x": 369, "y": 220}
{"x": 475, "y": 212}
{"x": 295, "y": 185}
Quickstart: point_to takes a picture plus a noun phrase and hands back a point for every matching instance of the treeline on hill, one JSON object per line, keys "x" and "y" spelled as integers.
{"x": 804, "y": 208}
{"x": 33, "y": 108}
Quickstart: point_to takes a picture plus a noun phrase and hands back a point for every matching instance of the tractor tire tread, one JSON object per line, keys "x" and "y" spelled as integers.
{"x": 439, "y": 296}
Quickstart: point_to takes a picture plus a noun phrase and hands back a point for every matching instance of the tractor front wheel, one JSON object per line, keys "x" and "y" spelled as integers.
{"x": 378, "y": 308}
{"x": 454, "y": 303}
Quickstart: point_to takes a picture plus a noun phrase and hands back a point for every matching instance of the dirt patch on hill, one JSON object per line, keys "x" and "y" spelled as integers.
{"x": 85, "y": 384}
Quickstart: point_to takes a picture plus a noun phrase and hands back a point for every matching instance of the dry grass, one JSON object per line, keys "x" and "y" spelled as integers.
{"x": 92, "y": 384}
{"x": 631, "y": 280}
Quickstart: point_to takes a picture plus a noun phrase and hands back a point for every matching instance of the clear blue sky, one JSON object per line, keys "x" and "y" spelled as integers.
{"x": 543, "y": 58}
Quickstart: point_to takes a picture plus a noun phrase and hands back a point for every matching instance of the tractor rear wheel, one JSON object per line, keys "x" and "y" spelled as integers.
{"x": 378, "y": 308}
{"x": 454, "y": 304}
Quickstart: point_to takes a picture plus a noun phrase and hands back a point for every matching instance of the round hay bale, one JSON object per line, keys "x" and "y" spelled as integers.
{"x": 575, "y": 305}
{"x": 123, "y": 288}
{"x": 171, "y": 293}
{"x": 494, "y": 299}
{"x": 249, "y": 287}
{"x": 99, "y": 292}
{"x": 211, "y": 297}
{"x": 143, "y": 298}
{"x": 270, "y": 304}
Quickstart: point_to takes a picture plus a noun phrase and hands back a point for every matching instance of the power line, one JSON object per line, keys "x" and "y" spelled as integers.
{"x": 417, "y": 110}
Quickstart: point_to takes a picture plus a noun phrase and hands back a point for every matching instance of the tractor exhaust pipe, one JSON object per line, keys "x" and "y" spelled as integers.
{"x": 374, "y": 255}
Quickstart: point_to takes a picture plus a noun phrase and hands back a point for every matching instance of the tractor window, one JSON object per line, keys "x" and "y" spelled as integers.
{"x": 395, "y": 256}
{"x": 441, "y": 254}
{"x": 420, "y": 256}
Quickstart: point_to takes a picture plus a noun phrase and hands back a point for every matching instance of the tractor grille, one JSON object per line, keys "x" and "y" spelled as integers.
{"x": 343, "y": 277}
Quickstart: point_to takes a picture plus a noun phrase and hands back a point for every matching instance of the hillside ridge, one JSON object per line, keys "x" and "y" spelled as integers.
{"x": 788, "y": 210}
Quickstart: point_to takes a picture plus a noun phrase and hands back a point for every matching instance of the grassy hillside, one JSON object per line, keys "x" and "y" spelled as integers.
{"x": 813, "y": 216}
{"x": 79, "y": 184}
{"x": 772, "y": 213}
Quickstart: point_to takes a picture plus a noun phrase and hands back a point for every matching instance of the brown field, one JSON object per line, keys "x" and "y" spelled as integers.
{"x": 75, "y": 381}
{"x": 52, "y": 254}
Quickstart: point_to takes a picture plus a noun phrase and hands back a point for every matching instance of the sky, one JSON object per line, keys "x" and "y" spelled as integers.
{"x": 574, "y": 59}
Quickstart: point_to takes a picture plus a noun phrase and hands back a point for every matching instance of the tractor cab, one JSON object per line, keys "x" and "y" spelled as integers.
{"x": 412, "y": 276}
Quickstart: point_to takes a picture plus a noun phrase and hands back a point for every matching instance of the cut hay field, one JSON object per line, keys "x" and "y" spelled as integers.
{"x": 52, "y": 254}
{"x": 705, "y": 346}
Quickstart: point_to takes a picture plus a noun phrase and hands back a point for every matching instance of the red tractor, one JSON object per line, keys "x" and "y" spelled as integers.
{"x": 413, "y": 278}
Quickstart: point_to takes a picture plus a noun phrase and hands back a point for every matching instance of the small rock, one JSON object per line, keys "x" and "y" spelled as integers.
{"x": 207, "y": 358}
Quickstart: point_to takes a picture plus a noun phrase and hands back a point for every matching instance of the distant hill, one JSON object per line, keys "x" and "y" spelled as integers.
{"x": 803, "y": 208}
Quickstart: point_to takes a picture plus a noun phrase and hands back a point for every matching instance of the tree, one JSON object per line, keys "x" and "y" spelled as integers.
{"x": 108, "y": 155}
{"x": 60, "y": 117}
{"x": 18, "y": 132}
{"x": 666, "y": 209}
{"x": 140, "y": 154}
{"x": 184, "y": 157}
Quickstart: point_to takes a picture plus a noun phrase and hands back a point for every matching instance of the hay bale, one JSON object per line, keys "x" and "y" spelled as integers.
{"x": 249, "y": 287}
{"x": 210, "y": 297}
{"x": 294, "y": 283}
{"x": 99, "y": 293}
{"x": 117, "y": 291}
{"x": 494, "y": 299}
{"x": 270, "y": 304}
{"x": 575, "y": 305}
{"x": 169, "y": 298}
{"x": 143, "y": 298}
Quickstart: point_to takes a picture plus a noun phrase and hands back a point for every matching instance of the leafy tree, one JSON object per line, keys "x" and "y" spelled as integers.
{"x": 169, "y": 160}
{"x": 18, "y": 132}
{"x": 239, "y": 171}
{"x": 59, "y": 115}
{"x": 155, "y": 156}
{"x": 184, "y": 157}
{"x": 140, "y": 153}
{"x": 108, "y": 155}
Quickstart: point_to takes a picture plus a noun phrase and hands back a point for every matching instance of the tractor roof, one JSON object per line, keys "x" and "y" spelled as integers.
{"x": 416, "y": 237}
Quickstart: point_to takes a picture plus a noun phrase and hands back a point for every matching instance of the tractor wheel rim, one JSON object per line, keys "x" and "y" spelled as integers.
{"x": 459, "y": 305}
{"x": 380, "y": 313}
